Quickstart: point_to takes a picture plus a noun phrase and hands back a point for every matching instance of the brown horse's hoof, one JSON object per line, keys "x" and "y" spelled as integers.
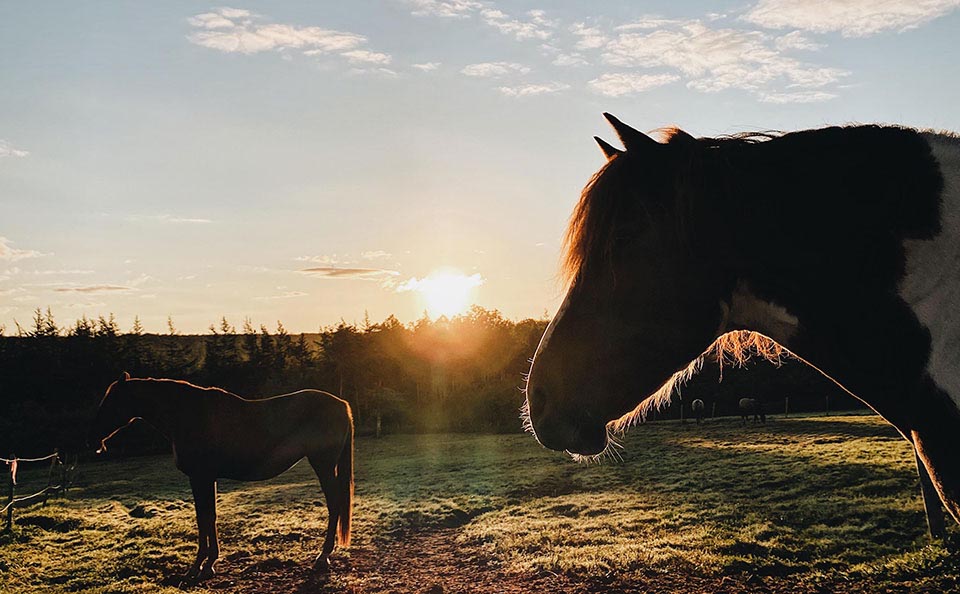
{"x": 321, "y": 565}
{"x": 206, "y": 573}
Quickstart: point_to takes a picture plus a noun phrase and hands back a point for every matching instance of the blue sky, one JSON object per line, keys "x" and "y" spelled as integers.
{"x": 309, "y": 161}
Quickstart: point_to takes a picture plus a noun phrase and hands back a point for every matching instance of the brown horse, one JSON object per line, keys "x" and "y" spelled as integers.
{"x": 216, "y": 434}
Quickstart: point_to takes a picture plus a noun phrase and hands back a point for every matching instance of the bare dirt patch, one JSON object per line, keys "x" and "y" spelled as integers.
{"x": 437, "y": 563}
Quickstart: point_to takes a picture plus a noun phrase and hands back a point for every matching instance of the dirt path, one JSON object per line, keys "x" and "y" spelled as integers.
{"x": 434, "y": 563}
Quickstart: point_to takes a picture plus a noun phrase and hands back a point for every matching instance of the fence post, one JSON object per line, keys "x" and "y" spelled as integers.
{"x": 827, "y": 399}
{"x": 786, "y": 406}
{"x": 53, "y": 466}
{"x": 713, "y": 411}
{"x": 11, "y": 484}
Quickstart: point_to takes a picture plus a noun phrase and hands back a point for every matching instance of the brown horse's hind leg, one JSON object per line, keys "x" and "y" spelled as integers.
{"x": 331, "y": 492}
{"x": 208, "y": 550}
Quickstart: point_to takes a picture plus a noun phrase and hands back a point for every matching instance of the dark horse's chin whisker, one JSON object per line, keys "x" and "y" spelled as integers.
{"x": 525, "y": 421}
{"x": 610, "y": 452}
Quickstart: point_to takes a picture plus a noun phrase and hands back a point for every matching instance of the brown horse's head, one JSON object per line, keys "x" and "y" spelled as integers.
{"x": 644, "y": 293}
{"x": 116, "y": 412}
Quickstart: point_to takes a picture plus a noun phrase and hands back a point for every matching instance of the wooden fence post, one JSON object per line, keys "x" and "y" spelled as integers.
{"x": 11, "y": 484}
{"x": 713, "y": 412}
{"x": 786, "y": 406}
{"x": 827, "y": 399}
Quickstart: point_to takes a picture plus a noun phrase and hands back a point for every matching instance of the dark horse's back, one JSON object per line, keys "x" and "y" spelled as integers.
{"x": 226, "y": 436}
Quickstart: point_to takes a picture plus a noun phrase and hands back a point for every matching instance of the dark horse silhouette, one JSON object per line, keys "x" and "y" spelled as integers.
{"x": 216, "y": 434}
{"x": 751, "y": 406}
{"x": 840, "y": 244}
{"x": 697, "y": 406}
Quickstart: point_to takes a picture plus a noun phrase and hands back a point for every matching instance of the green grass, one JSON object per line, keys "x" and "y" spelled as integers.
{"x": 807, "y": 499}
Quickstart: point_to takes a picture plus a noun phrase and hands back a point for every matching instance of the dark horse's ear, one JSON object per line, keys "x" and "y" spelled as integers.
{"x": 608, "y": 149}
{"x": 678, "y": 136}
{"x": 124, "y": 377}
{"x": 632, "y": 139}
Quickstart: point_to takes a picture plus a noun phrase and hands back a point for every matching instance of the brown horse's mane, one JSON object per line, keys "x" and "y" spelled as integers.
{"x": 185, "y": 384}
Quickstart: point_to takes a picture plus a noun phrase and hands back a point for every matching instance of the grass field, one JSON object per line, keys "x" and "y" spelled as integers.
{"x": 802, "y": 504}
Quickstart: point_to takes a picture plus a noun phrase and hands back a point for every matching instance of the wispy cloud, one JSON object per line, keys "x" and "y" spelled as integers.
{"x": 534, "y": 89}
{"x": 233, "y": 30}
{"x": 851, "y": 18}
{"x": 283, "y": 295}
{"x": 427, "y": 66}
{"x": 8, "y": 150}
{"x": 361, "y": 56}
{"x": 494, "y": 69}
{"x": 619, "y": 84}
{"x": 11, "y": 254}
{"x": 94, "y": 289}
{"x": 326, "y": 259}
{"x": 588, "y": 37}
{"x": 354, "y": 273}
{"x": 715, "y": 59}
{"x": 429, "y": 283}
{"x": 451, "y": 9}
{"x": 376, "y": 255}
{"x": 167, "y": 218}
{"x": 535, "y": 26}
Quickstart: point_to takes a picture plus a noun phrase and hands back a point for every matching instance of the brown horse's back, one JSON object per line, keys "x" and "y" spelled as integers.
{"x": 225, "y": 436}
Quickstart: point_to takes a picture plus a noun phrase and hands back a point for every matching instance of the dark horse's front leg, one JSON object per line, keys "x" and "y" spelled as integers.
{"x": 331, "y": 492}
{"x": 208, "y": 550}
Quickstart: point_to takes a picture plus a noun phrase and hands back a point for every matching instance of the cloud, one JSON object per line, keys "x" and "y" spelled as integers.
{"x": 451, "y": 9}
{"x": 61, "y": 272}
{"x": 429, "y": 283}
{"x": 361, "y": 56}
{"x": 8, "y": 150}
{"x": 328, "y": 260}
{"x": 494, "y": 69}
{"x": 799, "y": 97}
{"x": 356, "y": 273}
{"x": 376, "y": 255}
{"x": 573, "y": 59}
{"x": 537, "y": 27}
{"x": 851, "y": 18}
{"x": 232, "y": 30}
{"x": 94, "y": 289}
{"x": 534, "y": 89}
{"x": 427, "y": 66}
{"x": 619, "y": 84}
{"x": 12, "y": 254}
{"x": 589, "y": 37}
{"x": 284, "y": 295}
{"x": 166, "y": 218}
{"x": 712, "y": 60}
{"x": 795, "y": 41}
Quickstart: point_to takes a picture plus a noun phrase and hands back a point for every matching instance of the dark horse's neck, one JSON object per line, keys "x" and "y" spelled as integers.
{"x": 821, "y": 215}
{"x": 817, "y": 225}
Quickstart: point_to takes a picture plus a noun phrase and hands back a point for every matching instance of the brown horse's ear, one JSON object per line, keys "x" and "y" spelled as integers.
{"x": 608, "y": 149}
{"x": 124, "y": 377}
{"x": 632, "y": 139}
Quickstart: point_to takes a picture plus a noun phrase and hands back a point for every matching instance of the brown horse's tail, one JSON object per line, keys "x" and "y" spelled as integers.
{"x": 345, "y": 480}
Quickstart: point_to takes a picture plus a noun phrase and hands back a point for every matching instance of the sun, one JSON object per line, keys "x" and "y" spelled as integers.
{"x": 445, "y": 292}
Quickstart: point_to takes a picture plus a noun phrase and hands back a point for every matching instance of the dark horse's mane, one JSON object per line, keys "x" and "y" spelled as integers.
{"x": 168, "y": 382}
{"x": 749, "y": 171}
{"x": 833, "y": 197}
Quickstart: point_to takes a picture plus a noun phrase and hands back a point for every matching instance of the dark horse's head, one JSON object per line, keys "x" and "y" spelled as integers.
{"x": 116, "y": 412}
{"x": 644, "y": 296}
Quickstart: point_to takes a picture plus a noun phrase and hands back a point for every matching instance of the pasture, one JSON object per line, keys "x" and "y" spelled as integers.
{"x": 811, "y": 504}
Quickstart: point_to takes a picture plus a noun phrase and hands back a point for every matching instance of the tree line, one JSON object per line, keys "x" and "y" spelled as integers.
{"x": 458, "y": 374}
{"x": 462, "y": 374}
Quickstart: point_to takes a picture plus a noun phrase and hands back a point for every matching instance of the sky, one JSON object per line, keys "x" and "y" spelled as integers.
{"x": 316, "y": 161}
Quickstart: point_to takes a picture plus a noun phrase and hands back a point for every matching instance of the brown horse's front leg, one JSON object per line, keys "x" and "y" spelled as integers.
{"x": 205, "y": 503}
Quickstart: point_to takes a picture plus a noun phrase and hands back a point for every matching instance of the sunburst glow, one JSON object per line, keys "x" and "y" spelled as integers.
{"x": 445, "y": 292}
